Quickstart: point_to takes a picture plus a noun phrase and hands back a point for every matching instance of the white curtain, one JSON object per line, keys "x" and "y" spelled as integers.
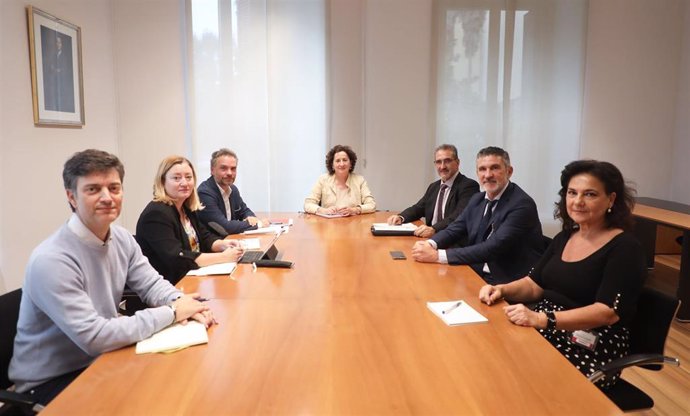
{"x": 258, "y": 88}
{"x": 510, "y": 74}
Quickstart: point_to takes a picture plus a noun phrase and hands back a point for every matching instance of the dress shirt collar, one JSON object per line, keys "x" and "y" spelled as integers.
{"x": 222, "y": 191}
{"x": 77, "y": 227}
{"x": 500, "y": 194}
{"x": 451, "y": 180}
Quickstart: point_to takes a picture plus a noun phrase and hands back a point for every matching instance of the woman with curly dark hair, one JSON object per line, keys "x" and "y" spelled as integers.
{"x": 340, "y": 191}
{"x": 587, "y": 283}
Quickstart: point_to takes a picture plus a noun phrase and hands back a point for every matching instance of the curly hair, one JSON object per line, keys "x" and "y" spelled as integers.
{"x": 612, "y": 179}
{"x": 340, "y": 148}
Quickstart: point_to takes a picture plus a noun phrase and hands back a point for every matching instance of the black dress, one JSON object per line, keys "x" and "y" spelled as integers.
{"x": 612, "y": 275}
{"x": 165, "y": 243}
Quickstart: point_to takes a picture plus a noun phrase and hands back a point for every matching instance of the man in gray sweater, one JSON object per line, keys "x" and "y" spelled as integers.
{"x": 74, "y": 282}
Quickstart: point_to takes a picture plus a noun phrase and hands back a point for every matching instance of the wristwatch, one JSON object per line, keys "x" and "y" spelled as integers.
{"x": 173, "y": 308}
{"x": 550, "y": 320}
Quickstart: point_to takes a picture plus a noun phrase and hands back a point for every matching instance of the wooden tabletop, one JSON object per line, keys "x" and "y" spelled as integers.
{"x": 346, "y": 331}
{"x": 669, "y": 214}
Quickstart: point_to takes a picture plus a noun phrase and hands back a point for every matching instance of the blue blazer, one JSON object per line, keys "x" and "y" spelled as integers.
{"x": 460, "y": 194}
{"x": 515, "y": 244}
{"x": 214, "y": 210}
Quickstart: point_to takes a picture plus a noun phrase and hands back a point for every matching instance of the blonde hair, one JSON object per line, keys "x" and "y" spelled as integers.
{"x": 159, "y": 195}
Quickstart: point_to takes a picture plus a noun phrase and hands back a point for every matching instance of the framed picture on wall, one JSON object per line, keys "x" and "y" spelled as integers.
{"x": 56, "y": 71}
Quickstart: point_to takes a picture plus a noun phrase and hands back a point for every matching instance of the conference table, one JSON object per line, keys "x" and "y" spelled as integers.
{"x": 345, "y": 331}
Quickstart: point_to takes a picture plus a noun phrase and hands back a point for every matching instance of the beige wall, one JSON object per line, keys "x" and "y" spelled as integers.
{"x": 134, "y": 107}
{"x": 631, "y": 86}
{"x": 33, "y": 202}
{"x": 148, "y": 48}
{"x": 680, "y": 168}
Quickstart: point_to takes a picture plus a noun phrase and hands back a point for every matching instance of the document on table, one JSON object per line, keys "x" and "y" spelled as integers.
{"x": 328, "y": 215}
{"x": 174, "y": 338}
{"x": 265, "y": 230}
{"x": 382, "y": 226}
{"x": 220, "y": 268}
{"x": 250, "y": 243}
{"x": 456, "y": 312}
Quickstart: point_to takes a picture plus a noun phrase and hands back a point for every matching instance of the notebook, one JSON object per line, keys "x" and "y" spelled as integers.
{"x": 456, "y": 312}
{"x": 174, "y": 338}
{"x": 383, "y": 229}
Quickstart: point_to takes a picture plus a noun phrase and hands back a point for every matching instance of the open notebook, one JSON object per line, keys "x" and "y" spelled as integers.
{"x": 174, "y": 338}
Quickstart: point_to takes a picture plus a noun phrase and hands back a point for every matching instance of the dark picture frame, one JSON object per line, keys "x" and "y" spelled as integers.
{"x": 56, "y": 70}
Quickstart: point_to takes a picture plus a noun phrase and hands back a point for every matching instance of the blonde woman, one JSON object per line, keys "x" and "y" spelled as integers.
{"x": 169, "y": 231}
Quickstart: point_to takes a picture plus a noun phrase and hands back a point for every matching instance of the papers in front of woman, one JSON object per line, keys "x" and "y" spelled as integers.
{"x": 174, "y": 338}
{"x": 250, "y": 243}
{"x": 220, "y": 268}
{"x": 328, "y": 215}
{"x": 272, "y": 228}
{"x": 456, "y": 312}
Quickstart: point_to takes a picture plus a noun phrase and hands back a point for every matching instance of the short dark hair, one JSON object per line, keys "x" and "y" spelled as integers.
{"x": 87, "y": 162}
{"x": 450, "y": 147}
{"x": 494, "y": 151}
{"x": 222, "y": 152}
{"x": 612, "y": 179}
{"x": 340, "y": 148}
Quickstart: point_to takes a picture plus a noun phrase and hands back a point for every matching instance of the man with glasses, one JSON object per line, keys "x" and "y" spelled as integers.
{"x": 501, "y": 227}
{"x": 444, "y": 199}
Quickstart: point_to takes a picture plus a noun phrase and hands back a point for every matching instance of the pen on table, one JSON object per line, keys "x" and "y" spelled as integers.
{"x": 452, "y": 307}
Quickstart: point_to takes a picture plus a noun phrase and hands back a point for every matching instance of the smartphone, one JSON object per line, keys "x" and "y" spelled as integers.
{"x": 398, "y": 255}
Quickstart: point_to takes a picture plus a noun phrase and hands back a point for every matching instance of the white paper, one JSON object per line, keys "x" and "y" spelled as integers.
{"x": 382, "y": 226}
{"x": 220, "y": 268}
{"x": 329, "y": 215}
{"x": 173, "y": 338}
{"x": 265, "y": 230}
{"x": 463, "y": 314}
{"x": 250, "y": 244}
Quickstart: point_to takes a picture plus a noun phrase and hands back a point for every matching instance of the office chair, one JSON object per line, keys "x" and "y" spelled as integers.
{"x": 648, "y": 332}
{"x": 13, "y": 403}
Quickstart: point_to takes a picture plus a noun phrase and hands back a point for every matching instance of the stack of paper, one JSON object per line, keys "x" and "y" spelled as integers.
{"x": 383, "y": 229}
{"x": 173, "y": 338}
{"x": 250, "y": 244}
{"x": 382, "y": 226}
{"x": 265, "y": 230}
{"x": 220, "y": 268}
{"x": 456, "y": 312}
{"x": 329, "y": 215}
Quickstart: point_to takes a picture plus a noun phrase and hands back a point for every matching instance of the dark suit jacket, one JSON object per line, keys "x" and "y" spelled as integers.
{"x": 460, "y": 194}
{"x": 214, "y": 210}
{"x": 164, "y": 242}
{"x": 513, "y": 247}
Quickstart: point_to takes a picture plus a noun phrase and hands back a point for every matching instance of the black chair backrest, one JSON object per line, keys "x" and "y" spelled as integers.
{"x": 649, "y": 329}
{"x": 9, "y": 314}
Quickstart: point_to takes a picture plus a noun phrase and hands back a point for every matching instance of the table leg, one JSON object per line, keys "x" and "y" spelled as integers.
{"x": 684, "y": 280}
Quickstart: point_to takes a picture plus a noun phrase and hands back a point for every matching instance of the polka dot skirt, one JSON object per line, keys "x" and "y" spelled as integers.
{"x": 613, "y": 343}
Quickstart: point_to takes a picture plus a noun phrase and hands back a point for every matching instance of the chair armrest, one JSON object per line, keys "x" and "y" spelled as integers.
{"x": 629, "y": 361}
{"x": 23, "y": 402}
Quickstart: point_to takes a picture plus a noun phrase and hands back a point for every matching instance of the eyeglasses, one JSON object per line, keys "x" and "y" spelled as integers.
{"x": 446, "y": 161}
